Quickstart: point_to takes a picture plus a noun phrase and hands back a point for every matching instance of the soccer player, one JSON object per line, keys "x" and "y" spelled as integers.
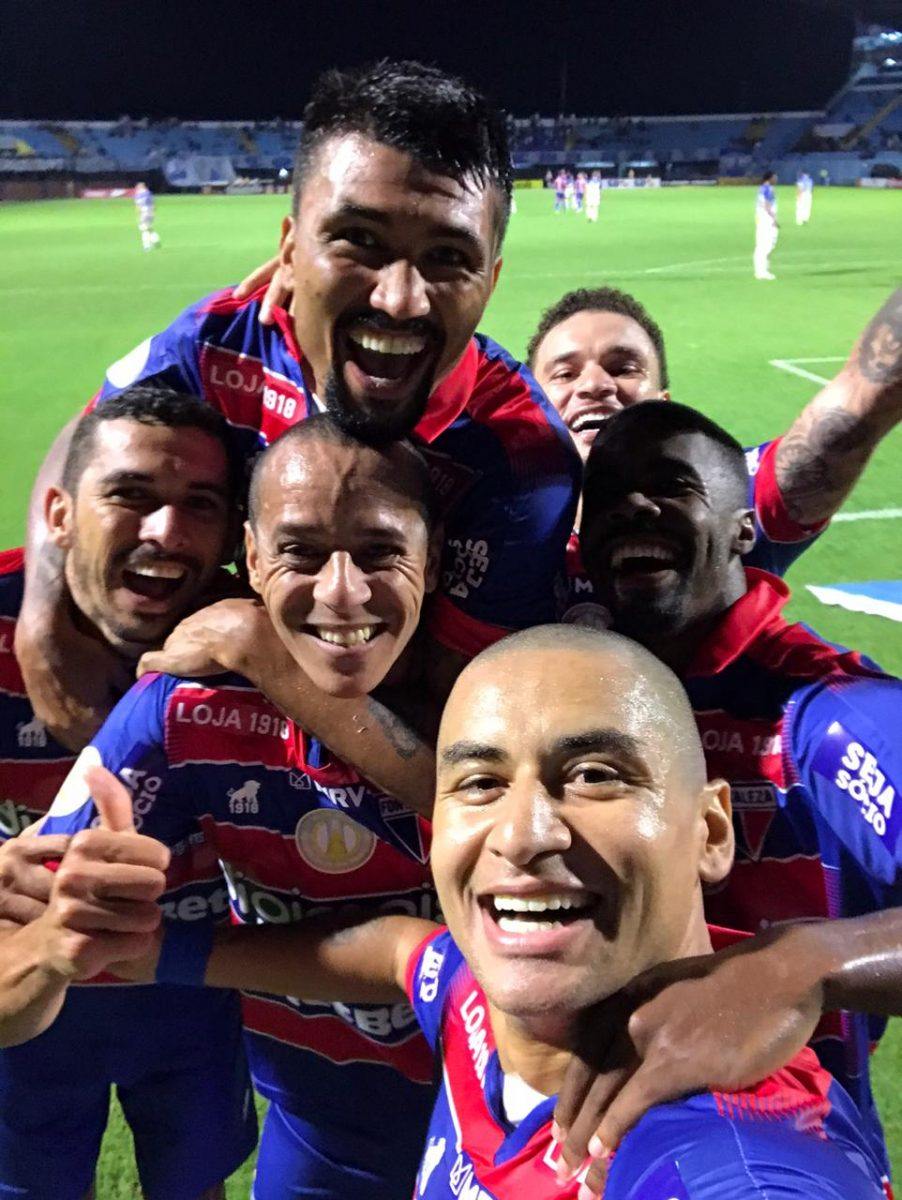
{"x": 560, "y": 188}
{"x": 766, "y": 228}
{"x": 144, "y": 207}
{"x": 806, "y": 733}
{"x": 343, "y": 548}
{"x": 804, "y": 191}
{"x": 569, "y": 191}
{"x": 593, "y": 196}
{"x": 597, "y": 351}
{"x": 579, "y": 188}
{"x": 573, "y": 831}
{"x": 402, "y": 188}
{"x": 145, "y": 512}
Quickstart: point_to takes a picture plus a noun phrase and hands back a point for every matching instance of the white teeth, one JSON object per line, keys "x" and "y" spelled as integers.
{"x": 547, "y": 903}
{"x": 159, "y": 570}
{"x": 590, "y": 421}
{"x": 641, "y": 550}
{"x": 518, "y": 925}
{"x": 347, "y": 637}
{"x": 384, "y": 343}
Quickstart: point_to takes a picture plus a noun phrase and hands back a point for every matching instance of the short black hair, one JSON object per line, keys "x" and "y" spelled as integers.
{"x": 656, "y": 419}
{"x": 601, "y": 299}
{"x": 412, "y": 477}
{"x": 436, "y": 118}
{"x": 152, "y": 402}
{"x": 768, "y": 175}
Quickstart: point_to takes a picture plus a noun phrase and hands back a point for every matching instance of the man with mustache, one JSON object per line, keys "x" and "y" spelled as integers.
{"x": 343, "y": 547}
{"x": 806, "y": 733}
{"x": 573, "y": 830}
{"x": 392, "y": 251}
{"x": 145, "y": 513}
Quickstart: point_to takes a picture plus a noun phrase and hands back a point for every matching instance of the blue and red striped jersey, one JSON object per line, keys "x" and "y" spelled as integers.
{"x": 504, "y": 467}
{"x": 294, "y": 833}
{"x": 801, "y": 730}
{"x": 794, "y": 1135}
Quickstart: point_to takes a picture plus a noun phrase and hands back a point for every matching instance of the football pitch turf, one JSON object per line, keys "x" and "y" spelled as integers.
{"x": 77, "y": 292}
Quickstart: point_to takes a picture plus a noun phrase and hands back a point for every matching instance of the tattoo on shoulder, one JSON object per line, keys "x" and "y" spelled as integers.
{"x": 880, "y": 354}
{"x": 403, "y": 739}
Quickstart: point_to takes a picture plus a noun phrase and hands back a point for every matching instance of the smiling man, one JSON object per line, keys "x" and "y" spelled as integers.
{"x": 401, "y": 200}
{"x": 573, "y": 831}
{"x": 806, "y": 733}
{"x": 146, "y": 512}
{"x": 342, "y": 547}
{"x": 597, "y": 351}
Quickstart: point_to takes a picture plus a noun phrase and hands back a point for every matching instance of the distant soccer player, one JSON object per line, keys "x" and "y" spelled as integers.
{"x": 569, "y": 192}
{"x": 593, "y": 196}
{"x": 579, "y": 187}
{"x": 145, "y": 210}
{"x": 766, "y": 227}
{"x": 560, "y": 187}
{"x": 804, "y": 188}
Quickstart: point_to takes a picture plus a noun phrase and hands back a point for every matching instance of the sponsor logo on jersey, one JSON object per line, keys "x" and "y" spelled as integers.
{"x": 467, "y": 563}
{"x": 462, "y": 1182}
{"x": 854, "y": 768}
{"x": 473, "y": 1014}
{"x": 31, "y": 735}
{"x": 245, "y": 799}
{"x": 430, "y": 967}
{"x": 432, "y": 1156}
{"x": 329, "y": 841}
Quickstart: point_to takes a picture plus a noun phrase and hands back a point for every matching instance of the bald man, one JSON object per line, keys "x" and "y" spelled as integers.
{"x": 573, "y": 830}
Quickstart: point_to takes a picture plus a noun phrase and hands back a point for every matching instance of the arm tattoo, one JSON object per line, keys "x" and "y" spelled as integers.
{"x": 403, "y": 739}
{"x": 880, "y": 353}
{"x": 822, "y": 456}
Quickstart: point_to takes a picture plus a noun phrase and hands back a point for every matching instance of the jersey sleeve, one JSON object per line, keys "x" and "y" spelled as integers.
{"x": 131, "y": 744}
{"x": 779, "y": 539}
{"x": 429, "y": 973}
{"x": 841, "y": 742}
{"x": 503, "y": 565}
{"x": 171, "y": 356}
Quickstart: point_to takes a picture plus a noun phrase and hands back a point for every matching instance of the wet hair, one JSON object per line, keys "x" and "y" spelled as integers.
{"x": 436, "y": 118}
{"x": 654, "y": 420}
{"x": 602, "y": 299}
{"x": 154, "y": 403}
{"x": 410, "y": 474}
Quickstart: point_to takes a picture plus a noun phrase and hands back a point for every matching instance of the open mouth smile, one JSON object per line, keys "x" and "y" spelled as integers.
{"x": 345, "y": 637}
{"x": 386, "y": 361}
{"x": 155, "y": 581}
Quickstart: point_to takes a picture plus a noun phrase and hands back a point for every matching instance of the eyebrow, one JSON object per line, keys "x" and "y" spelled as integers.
{"x": 119, "y": 477}
{"x": 599, "y": 739}
{"x": 459, "y": 752}
{"x": 620, "y": 348}
{"x": 436, "y": 228}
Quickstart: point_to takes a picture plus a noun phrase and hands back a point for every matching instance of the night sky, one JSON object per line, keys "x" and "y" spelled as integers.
{"x": 256, "y": 58}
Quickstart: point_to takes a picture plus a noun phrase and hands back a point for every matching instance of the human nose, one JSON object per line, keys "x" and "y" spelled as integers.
{"x": 528, "y": 825}
{"x": 634, "y": 504}
{"x": 164, "y": 527}
{"x": 594, "y": 381}
{"x": 400, "y": 291}
{"x": 340, "y": 584}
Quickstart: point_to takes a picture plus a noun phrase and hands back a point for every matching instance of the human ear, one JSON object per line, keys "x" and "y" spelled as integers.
{"x": 716, "y": 857}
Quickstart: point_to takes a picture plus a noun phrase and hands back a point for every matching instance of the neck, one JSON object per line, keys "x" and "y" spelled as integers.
{"x": 678, "y": 647}
{"x": 538, "y": 1049}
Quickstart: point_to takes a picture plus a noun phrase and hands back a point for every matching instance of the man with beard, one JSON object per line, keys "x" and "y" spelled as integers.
{"x": 573, "y": 830}
{"x": 402, "y": 194}
{"x": 342, "y": 547}
{"x": 598, "y": 350}
{"x": 145, "y": 513}
{"x": 806, "y": 733}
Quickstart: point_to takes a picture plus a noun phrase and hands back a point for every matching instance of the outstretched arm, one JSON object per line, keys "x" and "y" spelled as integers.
{"x": 820, "y": 459}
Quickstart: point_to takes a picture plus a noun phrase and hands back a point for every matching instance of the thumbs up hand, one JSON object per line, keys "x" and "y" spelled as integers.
{"x": 102, "y": 907}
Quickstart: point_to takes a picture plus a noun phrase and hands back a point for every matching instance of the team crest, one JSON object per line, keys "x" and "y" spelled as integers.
{"x": 755, "y": 806}
{"x": 331, "y": 842}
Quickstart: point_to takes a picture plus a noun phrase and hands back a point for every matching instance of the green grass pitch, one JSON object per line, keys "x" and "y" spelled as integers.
{"x": 77, "y": 292}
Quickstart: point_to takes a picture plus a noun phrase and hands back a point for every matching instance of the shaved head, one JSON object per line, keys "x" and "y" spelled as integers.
{"x": 658, "y": 700}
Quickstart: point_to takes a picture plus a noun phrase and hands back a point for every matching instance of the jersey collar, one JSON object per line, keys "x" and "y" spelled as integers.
{"x": 742, "y": 623}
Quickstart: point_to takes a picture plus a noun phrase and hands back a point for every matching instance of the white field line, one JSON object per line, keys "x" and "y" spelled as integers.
{"x": 784, "y": 364}
{"x": 870, "y": 514}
